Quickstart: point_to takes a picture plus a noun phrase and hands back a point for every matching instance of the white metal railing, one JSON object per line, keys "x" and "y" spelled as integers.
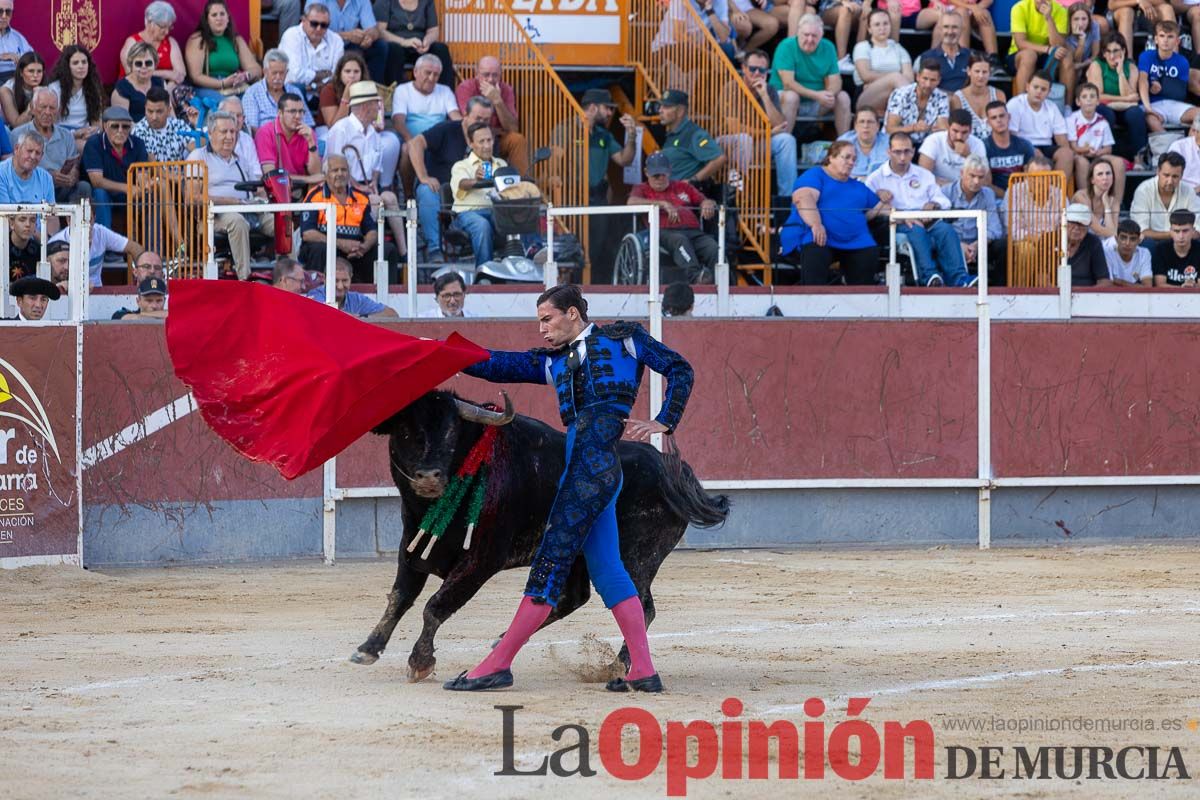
{"x": 409, "y": 215}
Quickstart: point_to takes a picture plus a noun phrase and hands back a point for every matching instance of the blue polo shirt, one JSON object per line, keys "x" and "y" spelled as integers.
{"x": 356, "y": 302}
{"x": 1171, "y": 72}
{"x": 954, "y": 73}
{"x": 98, "y": 156}
{"x": 37, "y": 188}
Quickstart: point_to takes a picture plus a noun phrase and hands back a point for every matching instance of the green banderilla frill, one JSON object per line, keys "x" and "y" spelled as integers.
{"x": 472, "y": 474}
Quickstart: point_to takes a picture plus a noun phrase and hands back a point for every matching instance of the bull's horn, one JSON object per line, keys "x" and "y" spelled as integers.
{"x": 473, "y": 413}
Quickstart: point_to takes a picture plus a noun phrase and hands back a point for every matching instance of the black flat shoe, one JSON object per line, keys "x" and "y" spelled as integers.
{"x": 497, "y": 680}
{"x": 651, "y": 683}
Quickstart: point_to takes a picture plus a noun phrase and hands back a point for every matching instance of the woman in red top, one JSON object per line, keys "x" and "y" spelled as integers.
{"x": 160, "y": 17}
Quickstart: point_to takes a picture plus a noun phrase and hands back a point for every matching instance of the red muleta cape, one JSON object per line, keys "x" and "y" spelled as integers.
{"x": 290, "y": 381}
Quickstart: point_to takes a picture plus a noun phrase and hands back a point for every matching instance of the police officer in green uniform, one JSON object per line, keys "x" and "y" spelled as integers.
{"x": 598, "y": 108}
{"x": 693, "y": 152}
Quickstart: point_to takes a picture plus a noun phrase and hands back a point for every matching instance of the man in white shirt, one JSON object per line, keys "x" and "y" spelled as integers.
{"x": 1189, "y": 148}
{"x": 104, "y": 240}
{"x": 312, "y": 50}
{"x": 371, "y": 156}
{"x": 245, "y": 149}
{"x": 423, "y": 102}
{"x": 1033, "y": 118}
{"x": 944, "y": 152}
{"x": 225, "y": 170}
{"x": 450, "y": 291}
{"x": 12, "y": 44}
{"x": 1154, "y": 200}
{"x": 1128, "y": 264}
{"x": 908, "y": 187}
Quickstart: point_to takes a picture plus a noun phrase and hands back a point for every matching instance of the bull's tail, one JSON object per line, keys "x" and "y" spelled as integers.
{"x": 684, "y": 494}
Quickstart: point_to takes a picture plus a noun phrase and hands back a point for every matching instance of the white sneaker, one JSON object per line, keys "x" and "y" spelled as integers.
{"x": 845, "y": 65}
{"x": 934, "y": 281}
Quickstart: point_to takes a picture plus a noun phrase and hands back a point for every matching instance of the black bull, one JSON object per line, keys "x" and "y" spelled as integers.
{"x": 429, "y": 440}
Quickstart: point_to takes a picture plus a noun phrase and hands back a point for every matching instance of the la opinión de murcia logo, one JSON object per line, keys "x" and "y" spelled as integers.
{"x": 632, "y": 744}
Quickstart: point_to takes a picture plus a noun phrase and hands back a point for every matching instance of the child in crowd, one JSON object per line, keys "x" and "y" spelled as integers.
{"x": 1084, "y": 36}
{"x": 1039, "y": 121}
{"x": 1163, "y": 80}
{"x": 1091, "y": 138}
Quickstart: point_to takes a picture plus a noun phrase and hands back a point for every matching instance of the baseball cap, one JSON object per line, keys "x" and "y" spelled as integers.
{"x": 152, "y": 286}
{"x": 115, "y": 114}
{"x": 658, "y": 164}
{"x": 1079, "y": 212}
{"x": 54, "y": 248}
{"x": 674, "y": 97}
{"x": 602, "y": 97}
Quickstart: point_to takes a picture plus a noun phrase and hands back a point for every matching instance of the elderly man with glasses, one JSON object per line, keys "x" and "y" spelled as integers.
{"x": 107, "y": 157}
{"x": 312, "y": 49}
{"x": 12, "y": 44}
{"x": 245, "y": 145}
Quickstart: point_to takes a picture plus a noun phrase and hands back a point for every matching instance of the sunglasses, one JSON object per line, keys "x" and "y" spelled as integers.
{"x": 6, "y": 12}
{"x": 120, "y": 126}
{"x": 758, "y": 70}
{"x": 143, "y": 64}
{"x": 319, "y": 25}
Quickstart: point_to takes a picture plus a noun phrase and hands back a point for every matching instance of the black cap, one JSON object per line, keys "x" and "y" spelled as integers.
{"x": 601, "y": 97}
{"x": 32, "y": 285}
{"x": 54, "y": 248}
{"x": 152, "y": 286}
{"x": 674, "y": 97}
{"x": 658, "y": 164}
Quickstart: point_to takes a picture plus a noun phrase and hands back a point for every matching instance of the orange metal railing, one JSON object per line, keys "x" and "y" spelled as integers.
{"x": 670, "y": 48}
{"x": 166, "y": 213}
{"x": 1035, "y": 227}
{"x": 549, "y": 116}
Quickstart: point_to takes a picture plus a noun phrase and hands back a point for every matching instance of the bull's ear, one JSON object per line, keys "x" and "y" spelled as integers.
{"x": 385, "y": 428}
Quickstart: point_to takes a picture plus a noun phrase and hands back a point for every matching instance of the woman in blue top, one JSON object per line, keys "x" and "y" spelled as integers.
{"x": 829, "y": 218}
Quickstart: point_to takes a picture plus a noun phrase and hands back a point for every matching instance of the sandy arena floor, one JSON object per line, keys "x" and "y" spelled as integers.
{"x": 233, "y": 681}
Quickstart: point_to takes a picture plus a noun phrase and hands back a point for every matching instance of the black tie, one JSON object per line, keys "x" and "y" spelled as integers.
{"x": 573, "y": 360}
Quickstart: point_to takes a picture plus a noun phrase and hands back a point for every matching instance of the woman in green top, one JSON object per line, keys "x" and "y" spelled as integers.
{"x": 1117, "y": 78}
{"x": 219, "y": 62}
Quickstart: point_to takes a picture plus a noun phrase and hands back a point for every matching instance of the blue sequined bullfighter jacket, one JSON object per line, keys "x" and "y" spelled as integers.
{"x": 617, "y": 355}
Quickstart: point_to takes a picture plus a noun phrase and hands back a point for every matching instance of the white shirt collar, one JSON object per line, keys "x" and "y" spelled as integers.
{"x": 583, "y": 334}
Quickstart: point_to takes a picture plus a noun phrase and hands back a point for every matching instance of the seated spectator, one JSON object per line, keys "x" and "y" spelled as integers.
{"x": 908, "y": 187}
{"x": 971, "y": 192}
{"x": 1091, "y": 139}
{"x": 952, "y": 56}
{"x": 1120, "y": 103}
{"x": 130, "y": 91}
{"x": 974, "y": 13}
{"x": 880, "y": 64}
{"x": 693, "y": 252}
{"x": 1096, "y": 192}
{"x": 920, "y": 108}
{"x": 32, "y": 294}
{"x": 806, "y": 65}
{"x": 1163, "y": 80}
{"x": 287, "y": 143}
{"x": 106, "y": 158}
{"x": 434, "y": 154}
{"x": 22, "y": 180}
{"x": 335, "y": 95}
{"x": 371, "y": 156}
{"x": 1083, "y": 37}
{"x": 910, "y": 14}
{"x": 1039, "y": 28}
{"x": 828, "y": 223}
{"x": 24, "y": 248}
{"x": 352, "y": 302}
{"x": 166, "y": 137}
{"x": 1033, "y": 215}
{"x": 1189, "y": 12}
{"x": 218, "y": 60}
{"x": 944, "y": 152}
{"x": 17, "y": 91}
{"x": 159, "y": 19}
{"x": 450, "y": 292}
{"x": 1128, "y": 264}
{"x": 61, "y": 154}
{"x": 692, "y": 152}
{"x": 506, "y": 125}
{"x": 870, "y": 145}
{"x": 147, "y": 264}
{"x": 151, "y": 301}
{"x": 678, "y": 300}
{"x": 12, "y": 44}
{"x": 844, "y": 16}
{"x": 1145, "y": 12}
{"x": 287, "y": 274}
{"x": 354, "y": 21}
{"x": 357, "y": 234}
{"x": 82, "y": 103}
{"x": 411, "y": 33}
{"x": 755, "y": 68}
{"x": 1176, "y": 261}
{"x": 246, "y": 150}
{"x": 225, "y": 171}
{"x": 1085, "y": 254}
{"x": 715, "y": 15}
{"x": 312, "y": 51}
{"x": 1006, "y": 152}
{"x": 1155, "y": 200}
{"x": 260, "y": 103}
{"x": 977, "y": 95}
{"x": 1033, "y": 118}
{"x": 423, "y": 102}
{"x": 754, "y": 26}
{"x": 1189, "y": 148}
{"x": 59, "y": 256}
{"x": 104, "y": 240}
{"x": 471, "y": 182}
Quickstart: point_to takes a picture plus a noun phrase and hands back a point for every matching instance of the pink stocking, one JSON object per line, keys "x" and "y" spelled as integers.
{"x": 529, "y": 618}
{"x": 631, "y": 619}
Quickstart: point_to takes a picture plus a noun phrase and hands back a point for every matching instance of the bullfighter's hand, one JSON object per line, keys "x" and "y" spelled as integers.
{"x": 641, "y": 430}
